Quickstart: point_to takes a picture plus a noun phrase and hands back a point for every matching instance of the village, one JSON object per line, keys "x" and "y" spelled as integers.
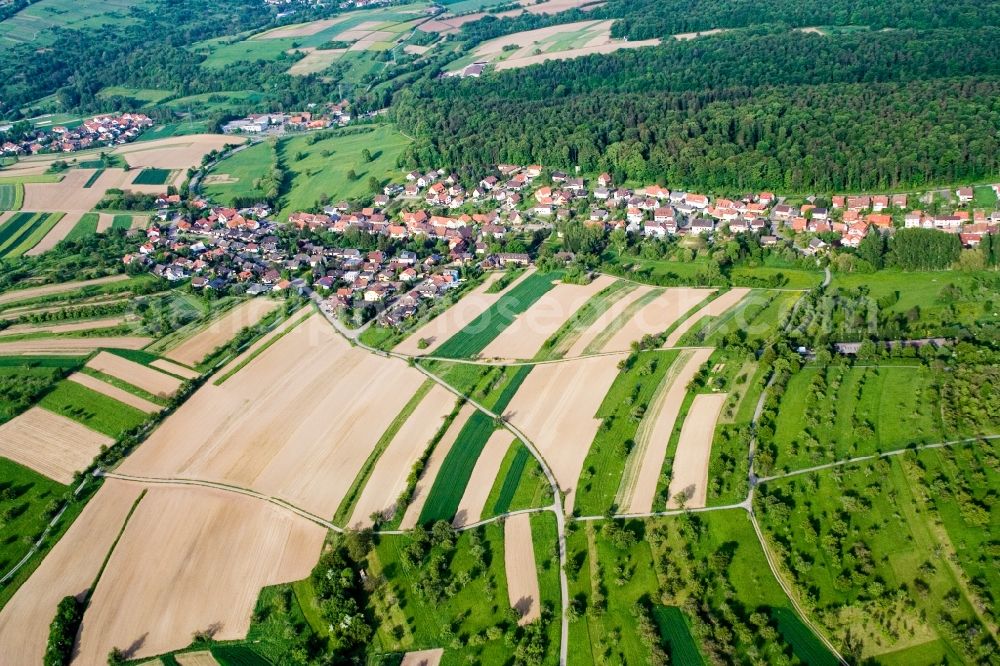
{"x": 99, "y": 131}
{"x": 431, "y": 227}
{"x": 277, "y": 124}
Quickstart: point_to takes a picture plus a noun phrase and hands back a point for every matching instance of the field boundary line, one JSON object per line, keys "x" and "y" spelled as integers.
{"x": 876, "y": 456}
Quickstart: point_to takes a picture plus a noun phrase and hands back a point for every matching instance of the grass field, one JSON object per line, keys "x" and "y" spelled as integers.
{"x": 837, "y": 412}
{"x": 862, "y": 546}
{"x": 11, "y": 196}
{"x": 472, "y": 339}
{"x": 621, "y": 413}
{"x": 520, "y": 484}
{"x": 122, "y": 222}
{"x": 675, "y": 633}
{"x": 32, "y": 23}
{"x": 27, "y": 503}
{"x": 147, "y": 95}
{"x": 152, "y": 177}
{"x": 92, "y": 409}
{"x": 23, "y": 231}
{"x": 316, "y": 170}
{"x": 23, "y": 380}
{"x": 87, "y": 226}
{"x": 181, "y": 128}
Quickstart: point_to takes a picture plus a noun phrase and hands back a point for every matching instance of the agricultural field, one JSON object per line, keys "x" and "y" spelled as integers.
{"x": 94, "y": 410}
{"x": 32, "y": 23}
{"x": 560, "y": 42}
{"x": 218, "y": 330}
{"x": 151, "y": 176}
{"x": 318, "y": 166}
{"x": 478, "y": 333}
{"x": 519, "y": 484}
{"x": 11, "y": 196}
{"x": 23, "y": 231}
{"x": 756, "y": 317}
{"x": 715, "y": 308}
{"x": 879, "y": 577}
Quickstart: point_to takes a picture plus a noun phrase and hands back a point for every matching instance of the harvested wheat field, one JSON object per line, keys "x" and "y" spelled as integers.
{"x": 174, "y": 369}
{"x": 69, "y": 194}
{"x": 556, "y": 407}
{"x": 529, "y": 331}
{"x": 712, "y": 309}
{"x": 93, "y": 324}
{"x": 388, "y": 479}
{"x": 642, "y": 470}
{"x": 694, "y": 450}
{"x": 70, "y": 568}
{"x": 300, "y": 29}
{"x": 178, "y": 152}
{"x": 155, "y": 382}
{"x": 66, "y": 345}
{"x": 193, "y": 559}
{"x": 104, "y": 222}
{"x": 199, "y": 658}
{"x": 657, "y": 317}
{"x": 220, "y": 331}
{"x": 519, "y": 563}
{"x": 315, "y": 61}
{"x": 606, "y": 318}
{"x": 113, "y": 391}
{"x": 414, "y": 49}
{"x": 484, "y": 474}
{"x": 434, "y": 463}
{"x": 57, "y": 233}
{"x": 422, "y": 658}
{"x": 298, "y": 422}
{"x": 49, "y": 289}
{"x": 455, "y": 318}
{"x": 50, "y": 444}
{"x": 265, "y": 340}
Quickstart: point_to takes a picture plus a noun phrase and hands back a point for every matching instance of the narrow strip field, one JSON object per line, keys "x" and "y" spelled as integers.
{"x": 121, "y": 395}
{"x": 524, "y": 337}
{"x": 91, "y": 325}
{"x": 174, "y": 369}
{"x": 11, "y": 196}
{"x": 193, "y": 560}
{"x": 220, "y": 331}
{"x": 155, "y": 382}
{"x": 642, "y": 470}
{"x": 57, "y": 288}
{"x": 656, "y": 317}
{"x": 689, "y": 475}
{"x": 61, "y": 230}
{"x": 456, "y": 470}
{"x": 522, "y": 571}
{"x": 388, "y": 479}
{"x": 454, "y": 319}
{"x": 601, "y": 323}
{"x": 70, "y": 568}
{"x": 50, "y": 444}
{"x": 23, "y": 231}
{"x": 484, "y": 474}
{"x": 713, "y": 309}
{"x": 434, "y": 463}
{"x": 556, "y": 408}
{"x": 67, "y": 345}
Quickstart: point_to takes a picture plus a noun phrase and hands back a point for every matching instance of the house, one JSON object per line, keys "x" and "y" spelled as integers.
{"x": 701, "y": 226}
{"x": 965, "y": 195}
{"x": 604, "y": 180}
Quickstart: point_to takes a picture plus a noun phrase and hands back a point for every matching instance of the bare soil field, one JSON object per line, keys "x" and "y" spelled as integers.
{"x": 70, "y": 196}
{"x": 192, "y": 559}
{"x": 50, "y": 444}
{"x": 104, "y": 222}
{"x": 360, "y": 31}
{"x": 616, "y": 310}
{"x": 220, "y": 331}
{"x": 713, "y": 309}
{"x": 70, "y": 568}
{"x": 388, "y": 479}
{"x": 454, "y": 319}
{"x": 65, "y": 345}
{"x": 93, "y": 324}
{"x": 367, "y": 41}
{"x": 136, "y": 374}
{"x": 643, "y": 468}
{"x": 423, "y": 658}
{"x": 484, "y": 474}
{"x": 694, "y": 450}
{"x": 526, "y": 334}
{"x": 298, "y": 422}
{"x": 58, "y": 232}
{"x": 178, "y": 152}
{"x": 263, "y": 341}
{"x": 200, "y": 658}
{"x": 113, "y": 391}
{"x": 315, "y": 61}
{"x": 657, "y": 317}
{"x": 46, "y": 290}
{"x": 433, "y": 467}
{"x": 175, "y": 369}
{"x": 522, "y": 572}
{"x": 556, "y": 408}
{"x": 414, "y": 49}
{"x": 300, "y": 29}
